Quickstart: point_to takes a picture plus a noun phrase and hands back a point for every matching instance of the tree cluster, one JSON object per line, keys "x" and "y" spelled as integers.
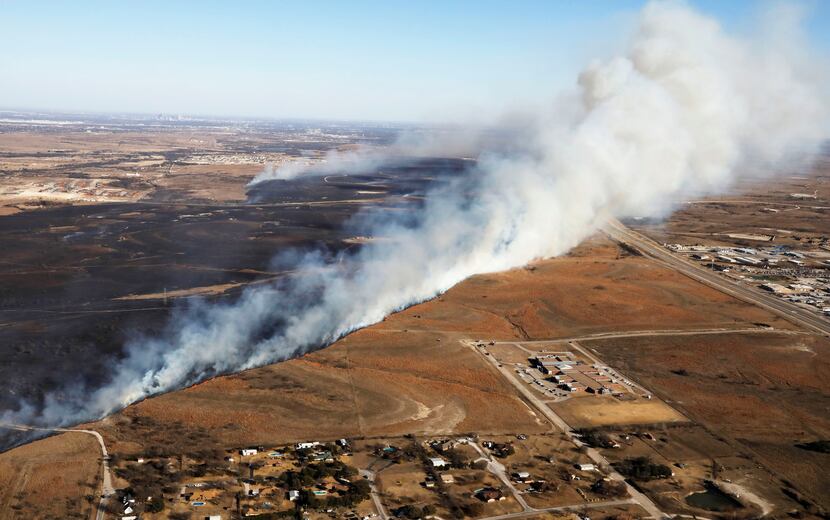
{"x": 609, "y": 488}
{"x": 642, "y": 468}
{"x": 357, "y": 489}
{"x": 413, "y": 511}
{"x": 597, "y": 439}
{"x": 310, "y": 474}
{"x": 817, "y": 446}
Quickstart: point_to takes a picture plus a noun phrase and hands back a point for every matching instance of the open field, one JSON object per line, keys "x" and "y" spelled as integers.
{"x": 350, "y": 389}
{"x": 794, "y": 209}
{"x": 765, "y": 397}
{"x": 583, "y": 413}
{"x": 403, "y": 375}
{"x": 772, "y": 238}
{"x": 126, "y": 160}
{"x": 55, "y": 478}
{"x": 736, "y": 388}
{"x": 78, "y": 278}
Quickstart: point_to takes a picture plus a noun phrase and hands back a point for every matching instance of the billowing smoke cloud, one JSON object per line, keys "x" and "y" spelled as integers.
{"x": 686, "y": 108}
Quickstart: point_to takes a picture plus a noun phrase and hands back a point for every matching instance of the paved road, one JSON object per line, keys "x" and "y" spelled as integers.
{"x": 789, "y": 311}
{"x": 498, "y": 469}
{"x": 593, "y": 454}
{"x": 574, "y": 508}
{"x": 610, "y": 335}
{"x": 370, "y": 476}
{"x": 107, "y": 488}
{"x": 648, "y": 333}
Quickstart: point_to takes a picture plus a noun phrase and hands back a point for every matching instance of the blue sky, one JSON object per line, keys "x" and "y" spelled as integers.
{"x": 360, "y": 59}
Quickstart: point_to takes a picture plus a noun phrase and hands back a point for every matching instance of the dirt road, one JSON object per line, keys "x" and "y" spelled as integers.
{"x": 107, "y": 488}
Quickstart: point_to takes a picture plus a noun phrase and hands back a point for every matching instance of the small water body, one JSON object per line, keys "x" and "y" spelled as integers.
{"x": 713, "y": 499}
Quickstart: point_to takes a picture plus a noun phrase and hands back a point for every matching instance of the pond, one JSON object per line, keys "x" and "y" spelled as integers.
{"x": 713, "y": 499}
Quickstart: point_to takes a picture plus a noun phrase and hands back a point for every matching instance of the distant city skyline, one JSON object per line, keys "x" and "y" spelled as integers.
{"x": 364, "y": 60}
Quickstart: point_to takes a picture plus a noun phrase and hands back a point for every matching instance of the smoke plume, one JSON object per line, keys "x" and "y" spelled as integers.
{"x": 410, "y": 144}
{"x": 684, "y": 108}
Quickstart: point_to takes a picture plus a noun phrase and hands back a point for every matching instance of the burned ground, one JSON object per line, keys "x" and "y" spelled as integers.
{"x": 78, "y": 280}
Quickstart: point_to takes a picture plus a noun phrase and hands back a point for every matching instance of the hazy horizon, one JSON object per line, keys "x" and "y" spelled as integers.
{"x": 365, "y": 62}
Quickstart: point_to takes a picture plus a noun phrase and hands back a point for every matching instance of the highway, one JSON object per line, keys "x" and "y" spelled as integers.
{"x": 789, "y": 311}
{"x": 107, "y": 489}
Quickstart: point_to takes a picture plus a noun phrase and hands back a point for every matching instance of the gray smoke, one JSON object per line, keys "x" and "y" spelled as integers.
{"x": 685, "y": 108}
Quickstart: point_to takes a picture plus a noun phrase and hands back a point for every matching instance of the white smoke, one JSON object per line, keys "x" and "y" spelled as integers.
{"x": 686, "y": 108}
{"x": 450, "y": 142}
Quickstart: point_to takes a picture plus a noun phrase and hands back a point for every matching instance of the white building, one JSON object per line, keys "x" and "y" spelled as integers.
{"x": 438, "y": 462}
{"x": 800, "y": 287}
{"x": 745, "y": 260}
{"x": 247, "y": 452}
{"x": 775, "y": 288}
{"x": 586, "y": 467}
